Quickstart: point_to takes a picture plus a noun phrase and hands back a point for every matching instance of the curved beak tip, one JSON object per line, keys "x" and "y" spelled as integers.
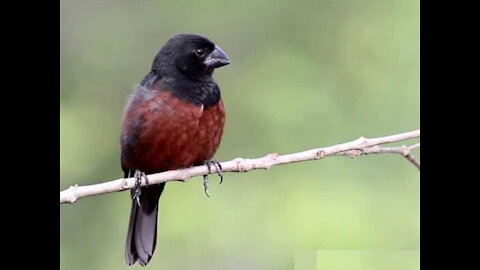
{"x": 218, "y": 58}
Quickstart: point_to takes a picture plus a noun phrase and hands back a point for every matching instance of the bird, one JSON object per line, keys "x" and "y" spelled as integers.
{"x": 173, "y": 119}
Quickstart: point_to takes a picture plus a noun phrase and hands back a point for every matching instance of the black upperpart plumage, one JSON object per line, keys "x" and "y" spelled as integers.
{"x": 179, "y": 54}
{"x": 184, "y": 66}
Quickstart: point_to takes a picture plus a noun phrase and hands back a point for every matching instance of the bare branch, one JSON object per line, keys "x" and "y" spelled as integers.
{"x": 354, "y": 148}
{"x": 402, "y": 150}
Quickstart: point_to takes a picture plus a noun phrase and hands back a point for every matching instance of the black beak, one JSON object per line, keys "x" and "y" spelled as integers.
{"x": 218, "y": 58}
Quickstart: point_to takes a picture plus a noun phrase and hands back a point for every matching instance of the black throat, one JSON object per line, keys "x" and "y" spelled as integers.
{"x": 202, "y": 91}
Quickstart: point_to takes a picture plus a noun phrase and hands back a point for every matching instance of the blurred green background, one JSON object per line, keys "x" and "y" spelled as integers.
{"x": 304, "y": 74}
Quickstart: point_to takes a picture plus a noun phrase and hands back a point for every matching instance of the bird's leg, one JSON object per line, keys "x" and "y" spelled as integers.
{"x": 138, "y": 181}
{"x": 146, "y": 178}
{"x": 217, "y": 166}
{"x": 206, "y": 184}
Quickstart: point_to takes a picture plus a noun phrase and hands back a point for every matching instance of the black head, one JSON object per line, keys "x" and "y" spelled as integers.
{"x": 193, "y": 56}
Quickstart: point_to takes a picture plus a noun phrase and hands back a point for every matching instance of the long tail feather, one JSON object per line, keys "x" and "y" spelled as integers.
{"x": 142, "y": 228}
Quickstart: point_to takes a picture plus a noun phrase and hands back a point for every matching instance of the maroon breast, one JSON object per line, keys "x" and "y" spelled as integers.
{"x": 209, "y": 132}
{"x": 166, "y": 133}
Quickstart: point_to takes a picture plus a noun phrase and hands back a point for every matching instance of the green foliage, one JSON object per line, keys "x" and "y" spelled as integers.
{"x": 304, "y": 74}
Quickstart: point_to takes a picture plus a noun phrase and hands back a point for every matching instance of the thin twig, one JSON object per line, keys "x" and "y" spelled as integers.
{"x": 402, "y": 150}
{"x": 361, "y": 145}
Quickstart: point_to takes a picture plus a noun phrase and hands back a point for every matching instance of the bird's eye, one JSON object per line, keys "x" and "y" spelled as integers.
{"x": 200, "y": 52}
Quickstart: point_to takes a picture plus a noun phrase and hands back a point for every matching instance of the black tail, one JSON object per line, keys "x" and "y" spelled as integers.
{"x": 142, "y": 228}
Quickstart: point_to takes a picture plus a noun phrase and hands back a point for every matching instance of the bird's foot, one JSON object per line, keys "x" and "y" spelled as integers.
{"x": 138, "y": 181}
{"x": 218, "y": 167}
{"x": 206, "y": 184}
{"x": 146, "y": 179}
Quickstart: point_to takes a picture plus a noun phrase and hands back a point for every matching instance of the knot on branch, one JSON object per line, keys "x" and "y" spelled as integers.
{"x": 354, "y": 153}
{"x": 242, "y": 165}
{"x": 69, "y": 195}
{"x": 270, "y": 160}
{"x": 320, "y": 154}
{"x": 362, "y": 141}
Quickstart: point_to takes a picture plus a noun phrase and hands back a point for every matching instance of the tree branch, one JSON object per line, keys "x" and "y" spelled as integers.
{"x": 353, "y": 149}
{"x": 402, "y": 150}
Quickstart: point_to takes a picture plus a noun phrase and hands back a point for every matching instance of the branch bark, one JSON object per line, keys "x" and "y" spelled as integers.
{"x": 402, "y": 150}
{"x": 360, "y": 146}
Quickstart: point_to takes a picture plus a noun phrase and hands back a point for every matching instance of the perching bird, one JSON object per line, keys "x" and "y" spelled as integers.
{"x": 174, "y": 119}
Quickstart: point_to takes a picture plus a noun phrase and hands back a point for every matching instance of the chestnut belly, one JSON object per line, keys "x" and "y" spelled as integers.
{"x": 185, "y": 141}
